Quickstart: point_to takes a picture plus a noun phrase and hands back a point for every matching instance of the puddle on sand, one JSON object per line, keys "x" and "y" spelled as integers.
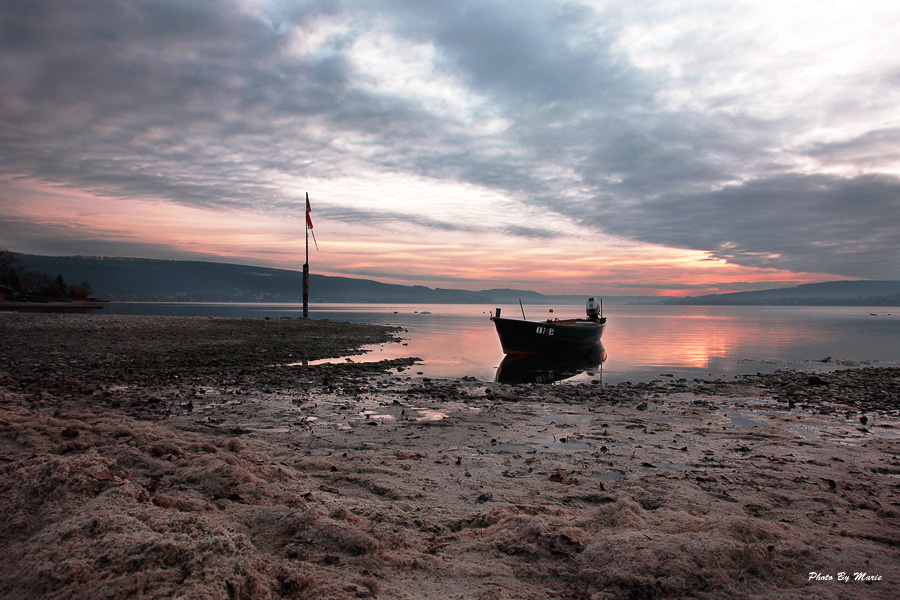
{"x": 508, "y": 448}
{"x": 372, "y": 415}
{"x": 562, "y": 443}
{"x": 565, "y": 419}
{"x": 447, "y": 408}
{"x": 804, "y": 432}
{"x": 848, "y": 434}
{"x": 426, "y": 414}
{"x": 820, "y": 428}
{"x": 742, "y": 420}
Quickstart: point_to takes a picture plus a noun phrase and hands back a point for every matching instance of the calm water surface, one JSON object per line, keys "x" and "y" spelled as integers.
{"x": 640, "y": 342}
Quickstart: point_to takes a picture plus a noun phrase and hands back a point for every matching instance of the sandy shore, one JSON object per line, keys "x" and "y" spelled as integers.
{"x": 158, "y": 457}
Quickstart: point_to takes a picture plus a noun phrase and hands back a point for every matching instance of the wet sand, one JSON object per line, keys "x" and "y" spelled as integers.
{"x": 157, "y": 457}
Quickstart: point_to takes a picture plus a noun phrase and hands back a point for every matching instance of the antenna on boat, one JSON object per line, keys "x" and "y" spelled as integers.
{"x": 523, "y": 310}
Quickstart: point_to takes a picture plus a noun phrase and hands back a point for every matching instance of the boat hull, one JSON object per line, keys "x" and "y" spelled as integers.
{"x": 535, "y": 337}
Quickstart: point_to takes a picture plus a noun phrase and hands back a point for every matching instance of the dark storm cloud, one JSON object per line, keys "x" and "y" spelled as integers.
{"x": 158, "y": 99}
{"x": 666, "y": 177}
{"x": 867, "y": 150}
{"x": 524, "y": 52}
{"x": 207, "y": 104}
{"x": 55, "y": 239}
{"x": 400, "y": 220}
{"x": 820, "y": 223}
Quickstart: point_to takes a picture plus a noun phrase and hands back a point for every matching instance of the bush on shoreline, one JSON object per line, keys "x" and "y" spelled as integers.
{"x": 18, "y": 284}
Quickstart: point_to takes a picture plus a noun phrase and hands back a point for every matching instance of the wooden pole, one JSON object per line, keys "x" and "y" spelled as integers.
{"x": 306, "y": 290}
{"x": 306, "y": 277}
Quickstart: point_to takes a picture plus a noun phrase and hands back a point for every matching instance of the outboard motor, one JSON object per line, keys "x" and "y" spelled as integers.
{"x": 593, "y": 309}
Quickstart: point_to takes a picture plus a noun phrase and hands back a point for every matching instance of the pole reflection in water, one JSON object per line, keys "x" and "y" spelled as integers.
{"x": 549, "y": 368}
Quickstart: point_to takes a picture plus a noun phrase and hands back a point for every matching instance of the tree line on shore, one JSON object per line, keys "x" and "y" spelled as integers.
{"x": 18, "y": 283}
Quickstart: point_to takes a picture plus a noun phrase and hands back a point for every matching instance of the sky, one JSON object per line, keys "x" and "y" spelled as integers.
{"x": 611, "y": 147}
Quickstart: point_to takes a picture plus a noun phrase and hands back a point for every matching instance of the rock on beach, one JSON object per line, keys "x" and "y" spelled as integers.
{"x": 159, "y": 457}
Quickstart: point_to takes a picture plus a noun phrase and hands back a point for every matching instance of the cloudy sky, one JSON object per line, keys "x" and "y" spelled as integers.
{"x": 670, "y": 147}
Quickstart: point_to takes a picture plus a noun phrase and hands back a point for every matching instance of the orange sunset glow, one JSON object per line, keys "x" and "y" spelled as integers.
{"x": 404, "y": 255}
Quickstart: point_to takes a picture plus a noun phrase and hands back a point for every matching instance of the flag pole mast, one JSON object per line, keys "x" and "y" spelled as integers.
{"x": 306, "y": 265}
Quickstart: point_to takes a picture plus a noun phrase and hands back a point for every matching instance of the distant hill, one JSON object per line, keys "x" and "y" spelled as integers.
{"x": 152, "y": 280}
{"x": 830, "y": 293}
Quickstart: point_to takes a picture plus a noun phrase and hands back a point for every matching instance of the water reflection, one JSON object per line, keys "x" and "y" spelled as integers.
{"x": 644, "y": 341}
{"x": 548, "y": 368}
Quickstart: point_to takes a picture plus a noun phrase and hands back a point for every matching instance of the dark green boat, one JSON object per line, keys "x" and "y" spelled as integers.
{"x": 553, "y": 335}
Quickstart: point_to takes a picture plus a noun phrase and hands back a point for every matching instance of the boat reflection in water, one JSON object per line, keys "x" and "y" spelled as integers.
{"x": 550, "y": 367}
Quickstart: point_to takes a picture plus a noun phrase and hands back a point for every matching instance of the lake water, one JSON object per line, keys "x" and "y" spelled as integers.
{"x": 640, "y": 343}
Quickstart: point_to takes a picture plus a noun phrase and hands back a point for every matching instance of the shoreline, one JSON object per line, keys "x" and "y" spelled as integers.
{"x": 147, "y": 456}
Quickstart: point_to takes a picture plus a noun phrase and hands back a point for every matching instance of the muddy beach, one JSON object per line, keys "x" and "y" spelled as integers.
{"x": 160, "y": 457}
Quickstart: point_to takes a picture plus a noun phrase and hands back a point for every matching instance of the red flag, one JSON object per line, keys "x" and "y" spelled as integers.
{"x": 309, "y": 224}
